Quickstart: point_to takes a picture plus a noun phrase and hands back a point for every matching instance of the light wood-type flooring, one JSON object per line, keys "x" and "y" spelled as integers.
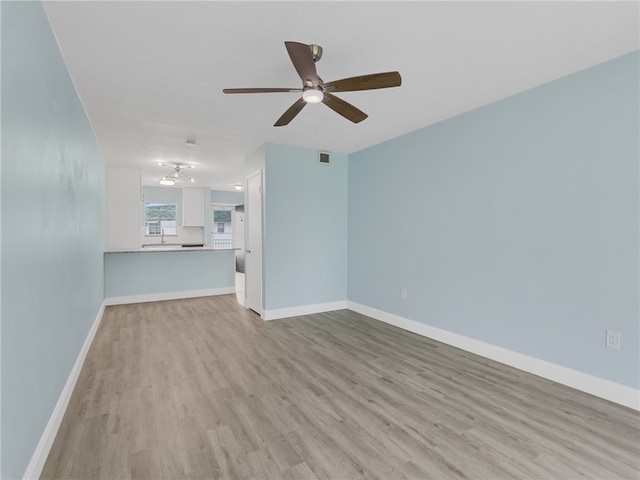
{"x": 202, "y": 388}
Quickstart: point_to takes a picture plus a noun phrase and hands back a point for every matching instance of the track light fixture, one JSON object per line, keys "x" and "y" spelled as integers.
{"x": 177, "y": 173}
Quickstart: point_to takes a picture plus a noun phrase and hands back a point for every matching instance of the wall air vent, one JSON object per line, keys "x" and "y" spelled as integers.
{"x": 324, "y": 158}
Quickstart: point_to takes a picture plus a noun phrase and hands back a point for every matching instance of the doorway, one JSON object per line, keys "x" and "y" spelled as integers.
{"x": 222, "y": 227}
{"x": 227, "y": 230}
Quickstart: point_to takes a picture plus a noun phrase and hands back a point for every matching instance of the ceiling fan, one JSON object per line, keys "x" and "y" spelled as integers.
{"x": 314, "y": 90}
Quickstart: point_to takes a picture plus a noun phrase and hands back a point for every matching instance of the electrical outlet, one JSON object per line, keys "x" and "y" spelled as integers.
{"x": 613, "y": 339}
{"x": 403, "y": 293}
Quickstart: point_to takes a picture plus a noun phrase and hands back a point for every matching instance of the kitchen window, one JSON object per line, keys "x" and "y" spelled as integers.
{"x": 160, "y": 219}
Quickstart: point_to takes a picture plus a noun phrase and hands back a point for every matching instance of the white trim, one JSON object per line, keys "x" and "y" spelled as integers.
{"x": 39, "y": 457}
{"x": 277, "y": 313}
{"x": 157, "y": 297}
{"x": 600, "y": 387}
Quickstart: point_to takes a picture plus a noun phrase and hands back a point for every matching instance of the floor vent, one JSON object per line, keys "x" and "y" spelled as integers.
{"x": 324, "y": 158}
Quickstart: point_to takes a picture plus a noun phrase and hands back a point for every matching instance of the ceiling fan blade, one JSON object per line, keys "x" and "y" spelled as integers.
{"x": 290, "y": 113}
{"x": 365, "y": 82}
{"x": 260, "y": 90}
{"x": 302, "y": 59}
{"x": 345, "y": 109}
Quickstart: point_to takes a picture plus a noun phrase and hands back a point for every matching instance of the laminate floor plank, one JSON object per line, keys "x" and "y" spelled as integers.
{"x": 203, "y": 388}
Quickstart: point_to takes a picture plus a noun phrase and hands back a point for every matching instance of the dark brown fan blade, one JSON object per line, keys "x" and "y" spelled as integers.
{"x": 290, "y": 113}
{"x": 302, "y": 59}
{"x": 345, "y": 109}
{"x": 365, "y": 82}
{"x": 260, "y": 90}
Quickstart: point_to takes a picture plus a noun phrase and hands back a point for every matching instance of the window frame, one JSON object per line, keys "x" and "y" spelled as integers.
{"x": 153, "y": 225}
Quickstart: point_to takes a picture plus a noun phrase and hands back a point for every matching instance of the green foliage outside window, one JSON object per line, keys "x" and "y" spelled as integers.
{"x": 161, "y": 211}
{"x": 222, "y": 216}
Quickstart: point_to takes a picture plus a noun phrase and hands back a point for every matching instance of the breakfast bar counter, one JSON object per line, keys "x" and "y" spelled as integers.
{"x": 132, "y": 275}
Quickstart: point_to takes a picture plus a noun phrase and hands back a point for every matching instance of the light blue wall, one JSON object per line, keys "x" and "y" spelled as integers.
{"x": 515, "y": 224}
{"x": 230, "y": 198}
{"x": 53, "y": 229}
{"x": 305, "y": 236}
{"x": 130, "y": 274}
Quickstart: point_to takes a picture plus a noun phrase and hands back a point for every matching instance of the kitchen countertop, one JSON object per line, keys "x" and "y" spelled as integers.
{"x": 167, "y": 248}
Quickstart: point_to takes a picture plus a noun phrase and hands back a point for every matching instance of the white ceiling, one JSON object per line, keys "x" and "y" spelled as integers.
{"x": 150, "y": 74}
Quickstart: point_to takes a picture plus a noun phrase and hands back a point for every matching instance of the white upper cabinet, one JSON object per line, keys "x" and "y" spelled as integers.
{"x": 193, "y": 207}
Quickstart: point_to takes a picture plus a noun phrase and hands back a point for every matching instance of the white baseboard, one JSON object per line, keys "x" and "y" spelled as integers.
{"x": 39, "y": 457}
{"x": 278, "y": 313}
{"x": 614, "y": 392}
{"x": 156, "y": 297}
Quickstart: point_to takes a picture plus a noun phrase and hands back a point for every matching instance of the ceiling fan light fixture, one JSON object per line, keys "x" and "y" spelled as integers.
{"x": 177, "y": 173}
{"x": 312, "y": 95}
